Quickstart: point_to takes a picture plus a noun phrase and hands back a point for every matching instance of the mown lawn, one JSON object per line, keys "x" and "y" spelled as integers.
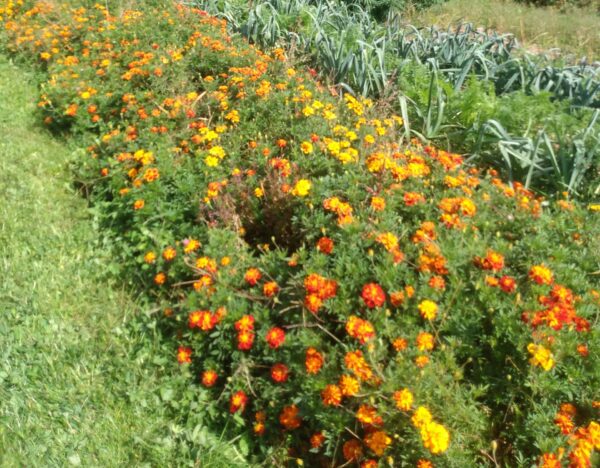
{"x": 83, "y": 381}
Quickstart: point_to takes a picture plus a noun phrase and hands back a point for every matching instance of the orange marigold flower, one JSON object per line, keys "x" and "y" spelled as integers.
{"x": 352, "y": 450}
{"x": 316, "y": 440}
{"x": 492, "y": 261}
{"x": 245, "y": 323}
{"x": 508, "y": 284}
{"x": 313, "y": 303}
{"x": 209, "y": 378}
{"x": 325, "y": 245}
{"x": 349, "y": 385}
{"x": 373, "y": 295}
{"x": 378, "y": 442}
{"x": 331, "y": 395}
{"x": 252, "y": 276}
{"x": 313, "y": 361}
{"x": 564, "y": 423}
{"x": 245, "y": 340}
{"x": 413, "y": 198}
{"x": 289, "y": 417}
{"x": 369, "y": 464}
{"x": 275, "y": 337}
{"x": 423, "y": 463}
{"x": 378, "y": 203}
{"x": 238, "y": 402}
{"x": 404, "y": 399}
{"x": 541, "y": 274}
{"x": 138, "y": 204}
{"x": 360, "y": 329}
{"x": 169, "y": 254}
{"x": 397, "y": 298}
{"x": 428, "y": 309}
{"x": 421, "y": 361}
{"x": 368, "y": 415}
{"x": 582, "y": 349}
{"x": 160, "y": 278}
{"x": 550, "y": 460}
{"x": 437, "y": 282}
{"x": 184, "y": 355}
{"x": 425, "y": 341}
{"x": 355, "y": 361}
{"x": 270, "y": 289}
{"x": 150, "y": 257}
{"x": 279, "y": 373}
{"x": 400, "y": 344}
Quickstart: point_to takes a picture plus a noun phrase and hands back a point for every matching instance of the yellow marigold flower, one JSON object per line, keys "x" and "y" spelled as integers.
{"x": 541, "y": 356}
{"x": 378, "y": 441}
{"x": 425, "y": 341}
{"x": 369, "y": 139}
{"x": 308, "y": 111}
{"x": 404, "y": 399}
{"x": 217, "y": 151}
{"x": 435, "y": 437}
{"x": 302, "y": 188}
{"x": 211, "y": 161}
{"x": 421, "y": 416}
{"x": 258, "y": 192}
{"x": 595, "y": 207}
{"x": 306, "y": 147}
{"x": 378, "y": 203}
{"x": 428, "y": 309}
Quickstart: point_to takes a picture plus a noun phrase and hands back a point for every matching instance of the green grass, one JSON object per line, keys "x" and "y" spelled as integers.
{"x": 575, "y": 31}
{"x": 83, "y": 379}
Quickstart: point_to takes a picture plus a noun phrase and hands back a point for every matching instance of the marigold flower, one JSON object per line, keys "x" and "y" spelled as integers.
{"x": 360, "y": 329}
{"x": 378, "y": 203}
{"x": 160, "y": 278}
{"x": 150, "y": 257}
{"x": 436, "y": 437}
{"x": 400, "y": 344}
{"x": 373, "y": 295}
{"x": 540, "y": 356}
{"x": 252, "y": 276}
{"x": 306, "y": 147}
{"x": 184, "y": 355}
{"x": 238, "y": 402}
{"x": 289, "y": 417}
{"x": 355, "y": 361}
{"x": 270, "y": 289}
{"x": 169, "y": 254}
{"x": 279, "y": 373}
{"x": 331, "y": 395}
{"x": 138, "y": 204}
{"x": 492, "y": 261}
{"x": 404, "y": 399}
{"x": 313, "y": 361}
{"x": 349, "y": 385}
{"x": 245, "y": 340}
{"x": 423, "y": 463}
{"x": 508, "y": 284}
{"x": 378, "y": 442}
{"x": 313, "y": 303}
{"x": 397, "y": 298}
{"x": 425, "y": 341}
{"x": 541, "y": 274}
{"x": 275, "y": 337}
{"x": 368, "y": 415}
{"x": 428, "y": 309}
{"x": 421, "y": 416}
{"x": 325, "y": 245}
{"x": 550, "y": 460}
{"x": 352, "y": 450}
{"x": 302, "y": 188}
{"x": 369, "y": 464}
{"x": 209, "y": 378}
{"x": 245, "y": 323}
{"x": 421, "y": 361}
{"x": 316, "y": 440}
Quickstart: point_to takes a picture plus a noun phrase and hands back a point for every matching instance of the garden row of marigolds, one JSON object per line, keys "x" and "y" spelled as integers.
{"x": 341, "y": 298}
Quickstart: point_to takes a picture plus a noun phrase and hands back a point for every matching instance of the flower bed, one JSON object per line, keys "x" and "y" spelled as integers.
{"x": 340, "y": 298}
